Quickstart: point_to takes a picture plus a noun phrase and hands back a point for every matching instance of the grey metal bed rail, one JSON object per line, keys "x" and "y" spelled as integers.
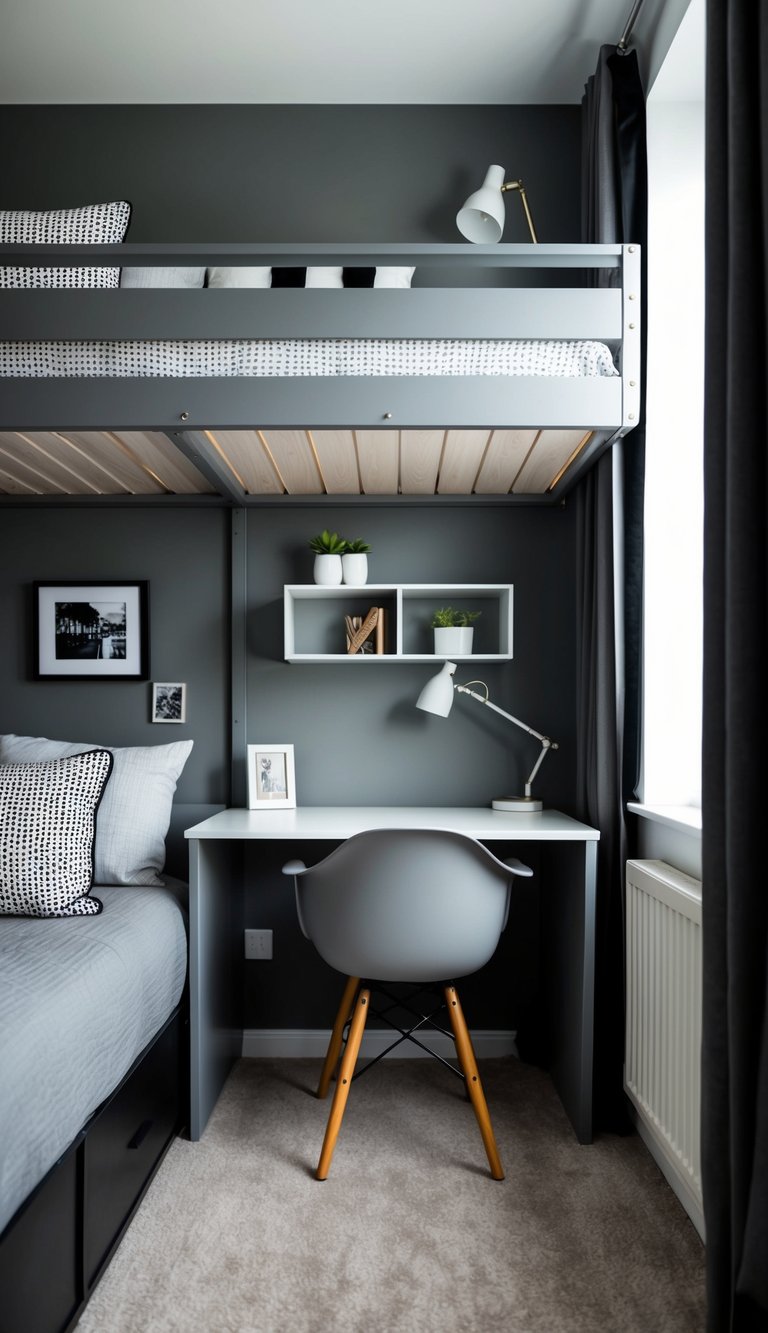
{"x": 605, "y": 313}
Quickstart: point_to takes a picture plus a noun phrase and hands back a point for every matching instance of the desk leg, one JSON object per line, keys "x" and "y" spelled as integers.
{"x": 568, "y": 947}
{"x": 215, "y": 949}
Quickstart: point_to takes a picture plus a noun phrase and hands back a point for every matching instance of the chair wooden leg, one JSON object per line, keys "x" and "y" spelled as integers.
{"x": 348, "y": 1062}
{"x": 474, "y": 1087}
{"x": 334, "y": 1046}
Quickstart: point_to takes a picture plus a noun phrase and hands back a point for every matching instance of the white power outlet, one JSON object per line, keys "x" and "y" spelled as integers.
{"x": 258, "y": 944}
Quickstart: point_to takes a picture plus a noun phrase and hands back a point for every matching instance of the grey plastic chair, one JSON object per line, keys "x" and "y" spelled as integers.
{"x": 403, "y": 905}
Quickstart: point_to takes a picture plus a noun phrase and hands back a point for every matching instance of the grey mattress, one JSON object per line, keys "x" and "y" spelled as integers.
{"x": 79, "y": 1000}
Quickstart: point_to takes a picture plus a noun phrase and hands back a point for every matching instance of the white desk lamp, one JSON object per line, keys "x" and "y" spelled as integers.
{"x": 437, "y": 698}
{"x": 481, "y": 217}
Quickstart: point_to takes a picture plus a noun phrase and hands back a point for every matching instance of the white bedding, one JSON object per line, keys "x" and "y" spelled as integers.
{"x": 79, "y": 1001}
{"x": 289, "y": 357}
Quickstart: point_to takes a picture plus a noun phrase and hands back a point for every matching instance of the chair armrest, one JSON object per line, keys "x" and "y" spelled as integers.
{"x": 517, "y": 867}
{"x": 294, "y": 868}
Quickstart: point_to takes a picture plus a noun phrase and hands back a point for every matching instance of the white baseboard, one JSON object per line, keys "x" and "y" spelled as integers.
{"x": 296, "y": 1043}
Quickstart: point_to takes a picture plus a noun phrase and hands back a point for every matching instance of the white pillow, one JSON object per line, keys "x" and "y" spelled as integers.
{"x": 393, "y": 277}
{"x": 324, "y": 277}
{"x": 47, "y": 822}
{"x": 239, "y": 277}
{"x": 97, "y": 223}
{"x": 134, "y": 816}
{"x": 162, "y": 277}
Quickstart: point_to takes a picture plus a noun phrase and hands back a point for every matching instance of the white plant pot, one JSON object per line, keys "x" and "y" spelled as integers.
{"x": 454, "y": 641}
{"x": 327, "y": 570}
{"x": 355, "y": 568}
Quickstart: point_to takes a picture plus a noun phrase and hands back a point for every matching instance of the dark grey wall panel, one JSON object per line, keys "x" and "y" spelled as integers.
{"x": 359, "y": 739}
{"x": 293, "y": 173}
{"x": 185, "y": 557}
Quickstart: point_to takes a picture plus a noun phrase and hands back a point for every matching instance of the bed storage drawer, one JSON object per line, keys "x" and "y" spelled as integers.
{"x": 39, "y": 1259}
{"x": 125, "y": 1143}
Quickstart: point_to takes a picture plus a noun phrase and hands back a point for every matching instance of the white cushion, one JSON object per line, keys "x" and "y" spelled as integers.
{"x": 393, "y": 277}
{"x": 324, "y": 277}
{"x": 239, "y": 277}
{"x": 134, "y": 816}
{"x": 162, "y": 277}
{"x": 47, "y": 822}
{"x": 97, "y": 223}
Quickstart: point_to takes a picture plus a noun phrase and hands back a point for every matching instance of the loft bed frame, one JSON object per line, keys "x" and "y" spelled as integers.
{"x": 606, "y": 408}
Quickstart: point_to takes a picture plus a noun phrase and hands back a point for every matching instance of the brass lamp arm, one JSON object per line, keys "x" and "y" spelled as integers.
{"x": 518, "y": 185}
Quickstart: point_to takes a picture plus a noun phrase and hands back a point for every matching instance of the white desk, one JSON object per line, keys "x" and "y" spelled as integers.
{"x": 567, "y": 902}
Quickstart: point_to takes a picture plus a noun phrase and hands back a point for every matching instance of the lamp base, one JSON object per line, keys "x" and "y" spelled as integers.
{"x": 517, "y": 803}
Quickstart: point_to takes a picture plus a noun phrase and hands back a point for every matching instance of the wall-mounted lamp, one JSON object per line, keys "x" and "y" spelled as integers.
{"x": 437, "y": 698}
{"x": 482, "y": 217}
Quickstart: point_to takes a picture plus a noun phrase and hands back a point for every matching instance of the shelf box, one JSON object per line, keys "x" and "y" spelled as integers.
{"x": 315, "y": 628}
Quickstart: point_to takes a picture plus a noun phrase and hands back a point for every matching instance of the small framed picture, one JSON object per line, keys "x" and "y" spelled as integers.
{"x": 91, "y": 631}
{"x": 169, "y": 702}
{"x": 271, "y": 777}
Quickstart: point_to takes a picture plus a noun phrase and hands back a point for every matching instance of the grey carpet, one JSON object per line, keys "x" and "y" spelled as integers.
{"x": 409, "y": 1234}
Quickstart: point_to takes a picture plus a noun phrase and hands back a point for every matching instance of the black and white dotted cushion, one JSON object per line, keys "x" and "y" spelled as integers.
{"x": 47, "y": 827}
{"x": 96, "y": 224}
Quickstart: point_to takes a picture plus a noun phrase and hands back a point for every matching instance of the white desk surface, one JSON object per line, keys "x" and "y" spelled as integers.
{"x": 342, "y": 821}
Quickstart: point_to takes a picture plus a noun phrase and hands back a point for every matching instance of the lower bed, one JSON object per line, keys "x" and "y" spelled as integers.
{"x": 80, "y": 999}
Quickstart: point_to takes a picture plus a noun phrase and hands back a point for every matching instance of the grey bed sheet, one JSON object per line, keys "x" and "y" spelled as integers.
{"x": 79, "y": 1000}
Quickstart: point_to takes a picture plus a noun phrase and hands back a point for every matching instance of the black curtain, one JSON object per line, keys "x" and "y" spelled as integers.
{"x": 735, "y": 892}
{"x": 610, "y": 499}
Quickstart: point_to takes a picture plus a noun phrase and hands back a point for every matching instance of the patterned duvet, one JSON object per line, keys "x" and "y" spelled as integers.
{"x": 287, "y": 357}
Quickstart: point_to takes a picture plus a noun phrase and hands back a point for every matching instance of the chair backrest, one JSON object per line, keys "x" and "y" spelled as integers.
{"x": 406, "y": 904}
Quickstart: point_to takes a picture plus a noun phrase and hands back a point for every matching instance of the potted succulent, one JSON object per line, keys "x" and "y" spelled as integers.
{"x": 354, "y": 562}
{"x": 453, "y": 631}
{"x": 328, "y": 548}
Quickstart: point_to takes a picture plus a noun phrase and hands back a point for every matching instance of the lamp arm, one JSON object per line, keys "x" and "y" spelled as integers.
{"x": 546, "y": 742}
{"x": 518, "y": 185}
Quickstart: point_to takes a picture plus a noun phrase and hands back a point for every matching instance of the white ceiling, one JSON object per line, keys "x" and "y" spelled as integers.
{"x": 309, "y": 51}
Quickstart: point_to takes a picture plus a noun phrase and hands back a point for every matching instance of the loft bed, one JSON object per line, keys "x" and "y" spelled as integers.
{"x": 537, "y": 380}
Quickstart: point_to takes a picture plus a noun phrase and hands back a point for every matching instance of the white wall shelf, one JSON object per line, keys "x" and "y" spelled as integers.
{"x": 315, "y": 629}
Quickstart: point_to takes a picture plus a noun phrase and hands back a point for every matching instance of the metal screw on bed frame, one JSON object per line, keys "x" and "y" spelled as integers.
{"x": 387, "y": 416}
{"x": 184, "y": 416}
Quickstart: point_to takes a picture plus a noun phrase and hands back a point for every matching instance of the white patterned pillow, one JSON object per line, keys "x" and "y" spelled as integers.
{"x": 47, "y": 826}
{"x": 93, "y": 223}
{"x": 134, "y": 816}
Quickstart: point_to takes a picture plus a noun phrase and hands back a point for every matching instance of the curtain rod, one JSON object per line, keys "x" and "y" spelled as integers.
{"x": 628, "y": 26}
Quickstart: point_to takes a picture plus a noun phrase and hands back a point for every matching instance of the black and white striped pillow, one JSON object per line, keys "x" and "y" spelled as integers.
{"x": 325, "y": 276}
{"x": 93, "y": 223}
{"x": 47, "y": 827}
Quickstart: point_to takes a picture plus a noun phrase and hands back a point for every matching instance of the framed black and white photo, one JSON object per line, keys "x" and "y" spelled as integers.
{"x": 91, "y": 631}
{"x": 271, "y": 777}
{"x": 169, "y": 701}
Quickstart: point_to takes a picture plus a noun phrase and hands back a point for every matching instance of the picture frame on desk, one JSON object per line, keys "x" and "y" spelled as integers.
{"x": 271, "y": 777}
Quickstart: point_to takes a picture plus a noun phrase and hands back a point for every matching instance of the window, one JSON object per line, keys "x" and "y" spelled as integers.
{"x": 675, "y": 379}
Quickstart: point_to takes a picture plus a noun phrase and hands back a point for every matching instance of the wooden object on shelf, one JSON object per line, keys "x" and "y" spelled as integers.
{"x": 355, "y": 643}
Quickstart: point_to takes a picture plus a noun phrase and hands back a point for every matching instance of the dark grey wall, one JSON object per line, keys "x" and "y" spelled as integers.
{"x": 185, "y": 557}
{"x": 358, "y": 737}
{"x": 359, "y": 740}
{"x": 293, "y": 173}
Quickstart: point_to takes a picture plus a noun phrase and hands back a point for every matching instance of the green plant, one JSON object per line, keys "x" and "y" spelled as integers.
{"x": 448, "y": 618}
{"x": 357, "y": 547}
{"x": 328, "y": 543}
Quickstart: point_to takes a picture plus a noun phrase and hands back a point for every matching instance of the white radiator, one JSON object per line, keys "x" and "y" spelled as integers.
{"x": 663, "y": 1034}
